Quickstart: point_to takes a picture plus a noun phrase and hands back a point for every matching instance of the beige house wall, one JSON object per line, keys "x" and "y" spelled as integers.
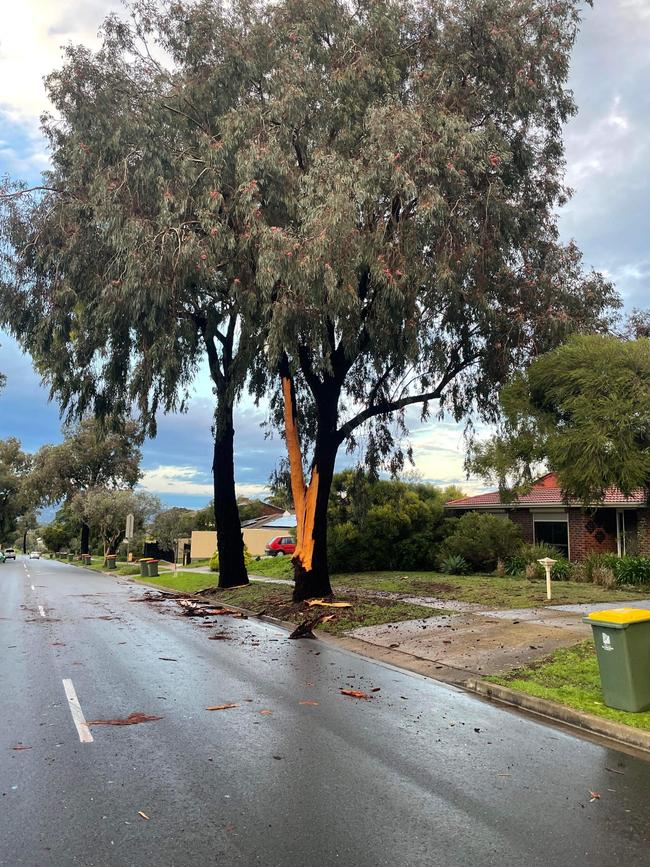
{"x": 204, "y": 542}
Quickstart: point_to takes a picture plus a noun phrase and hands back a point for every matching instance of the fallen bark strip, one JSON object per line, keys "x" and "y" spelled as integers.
{"x": 131, "y": 720}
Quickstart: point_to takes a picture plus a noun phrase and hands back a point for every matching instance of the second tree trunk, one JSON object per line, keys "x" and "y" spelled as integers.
{"x": 230, "y": 544}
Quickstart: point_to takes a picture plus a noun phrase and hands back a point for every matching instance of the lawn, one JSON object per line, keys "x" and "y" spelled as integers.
{"x": 272, "y": 567}
{"x": 276, "y": 602}
{"x": 485, "y": 589}
{"x": 570, "y": 677}
{"x": 481, "y": 589}
{"x": 185, "y": 582}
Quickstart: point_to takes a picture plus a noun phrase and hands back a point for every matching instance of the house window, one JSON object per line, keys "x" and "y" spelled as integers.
{"x": 555, "y": 533}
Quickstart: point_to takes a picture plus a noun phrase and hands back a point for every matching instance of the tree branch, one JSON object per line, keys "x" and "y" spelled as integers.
{"x": 388, "y": 406}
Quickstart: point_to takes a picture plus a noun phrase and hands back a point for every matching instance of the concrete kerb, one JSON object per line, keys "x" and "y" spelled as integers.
{"x": 605, "y": 728}
{"x": 549, "y": 710}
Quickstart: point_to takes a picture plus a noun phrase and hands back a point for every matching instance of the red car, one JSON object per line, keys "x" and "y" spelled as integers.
{"x": 280, "y": 545}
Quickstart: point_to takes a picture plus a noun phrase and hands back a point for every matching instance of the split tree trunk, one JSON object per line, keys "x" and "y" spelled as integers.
{"x": 230, "y": 543}
{"x": 311, "y": 572}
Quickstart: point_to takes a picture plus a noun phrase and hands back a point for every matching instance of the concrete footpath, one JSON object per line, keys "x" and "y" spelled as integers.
{"x": 474, "y": 641}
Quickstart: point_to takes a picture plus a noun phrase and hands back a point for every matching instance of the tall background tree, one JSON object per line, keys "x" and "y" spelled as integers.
{"x": 89, "y": 457}
{"x": 582, "y": 411}
{"x": 171, "y": 525}
{"x": 15, "y": 494}
{"x": 106, "y": 510}
{"x": 131, "y": 266}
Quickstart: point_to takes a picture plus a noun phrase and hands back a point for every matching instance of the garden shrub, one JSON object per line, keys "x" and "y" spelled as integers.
{"x": 595, "y": 561}
{"x": 632, "y": 570}
{"x": 562, "y": 570}
{"x": 383, "y": 524}
{"x": 481, "y": 539}
{"x": 534, "y": 572}
{"x": 528, "y": 553}
{"x": 454, "y": 564}
{"x": 604, "y": 576}
{"x": 214, "y": 560}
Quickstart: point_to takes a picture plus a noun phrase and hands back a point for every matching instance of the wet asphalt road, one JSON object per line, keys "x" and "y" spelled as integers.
{"x": 421, "y": 775}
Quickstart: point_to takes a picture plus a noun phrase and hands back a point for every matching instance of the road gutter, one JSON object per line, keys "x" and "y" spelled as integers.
{"x": 618, "y": 732}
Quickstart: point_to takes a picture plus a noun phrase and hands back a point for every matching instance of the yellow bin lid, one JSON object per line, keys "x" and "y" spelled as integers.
{"x": 620, "y": 616}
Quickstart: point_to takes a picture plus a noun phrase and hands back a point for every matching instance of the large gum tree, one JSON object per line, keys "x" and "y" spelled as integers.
{"x": 89, "y": 457}
{"x": 128, "y": 269}
{"x": 371, "y": 185}
{"x": 406, "y": 163}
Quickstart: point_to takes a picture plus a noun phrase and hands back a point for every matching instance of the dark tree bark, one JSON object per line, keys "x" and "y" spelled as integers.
{"x": 230, "y": 542}
{"x": 85, "y": 539}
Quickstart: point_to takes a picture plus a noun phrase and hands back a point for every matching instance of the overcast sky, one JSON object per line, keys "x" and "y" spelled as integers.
{"x": 608, "y": 154}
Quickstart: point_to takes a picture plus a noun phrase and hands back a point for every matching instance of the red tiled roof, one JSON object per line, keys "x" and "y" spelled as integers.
{"x": 546, "y": 492}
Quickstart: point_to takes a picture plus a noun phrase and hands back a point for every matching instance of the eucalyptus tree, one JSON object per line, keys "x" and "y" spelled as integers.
{"x": 130, "y": 268}
{"x": 106, "y": 510}
{"x": 15, "y": 500}
{"x": 170, "y": 526}
{"x": 405, "y": 163}
{"x": 90, "y": 456}
{"x": 356, "y": 199}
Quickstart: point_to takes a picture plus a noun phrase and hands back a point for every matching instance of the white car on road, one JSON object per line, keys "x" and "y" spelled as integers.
{"x": 34, "y": 555}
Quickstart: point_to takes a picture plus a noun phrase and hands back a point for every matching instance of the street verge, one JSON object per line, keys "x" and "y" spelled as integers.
{"x": 577, "y": 720}
{"x": 627, "y": 735}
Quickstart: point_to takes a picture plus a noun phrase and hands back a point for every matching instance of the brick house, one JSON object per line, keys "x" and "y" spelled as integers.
{"x": 618, "y": 525}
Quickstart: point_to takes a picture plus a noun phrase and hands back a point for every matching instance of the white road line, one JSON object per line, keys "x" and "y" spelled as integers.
{"x": 41, "y": 611}
{"x": 32, "y": 586}
{"x": 78, "y": 717}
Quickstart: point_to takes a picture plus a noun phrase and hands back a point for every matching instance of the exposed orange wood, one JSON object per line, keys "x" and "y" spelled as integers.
{"x": 305, "y": 553}
{"x": 298, "y": 488}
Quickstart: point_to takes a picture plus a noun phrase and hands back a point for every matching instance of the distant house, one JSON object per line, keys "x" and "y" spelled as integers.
{"x": 257, "y": 532}
{"x": 619, "y": 525}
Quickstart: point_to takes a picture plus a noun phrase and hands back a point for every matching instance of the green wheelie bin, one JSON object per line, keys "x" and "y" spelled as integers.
{"x": 622, "y": 638}
{"x": 152, "y": 568}
{"x": 144, "y": 562}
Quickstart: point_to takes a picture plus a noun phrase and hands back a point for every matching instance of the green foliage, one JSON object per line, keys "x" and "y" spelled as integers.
{"x": 595, "y": 561}
{"x": 214, "y": 560}
{"x": 56, "y": 537}
{"x": 380, "y": 524}
{"x": 106, "y": 510}
{"x": 170, "y": 525}
{"x": 204, "y": 518}
{"x": 562, "y": 570}
{"x": 454, "y": 564}
{"x": 528, "y": 553}
{"x": 15, "y": 495}
{"x": 90, "y": 456}
{"x": 481, "y": 539}
{"x": 582, "y": 410}
{"x": 249, "y": 509}
{"x": 632, "y": 570}
{"x": 626, "y": 570}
